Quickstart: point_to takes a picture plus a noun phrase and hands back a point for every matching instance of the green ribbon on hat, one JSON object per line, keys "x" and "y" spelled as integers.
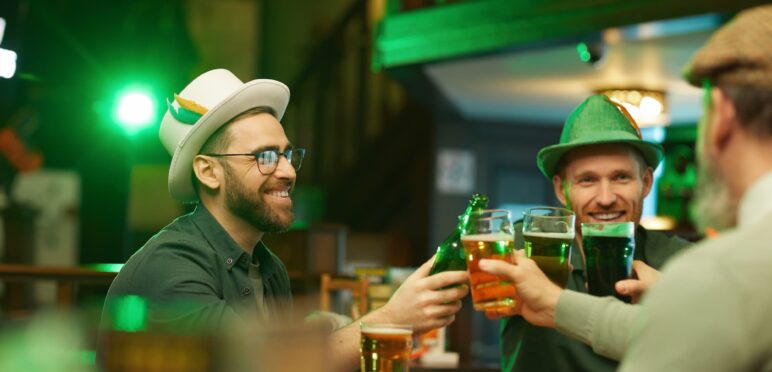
{"x": 189, "y": 111}
{"x": 597, "y": 120}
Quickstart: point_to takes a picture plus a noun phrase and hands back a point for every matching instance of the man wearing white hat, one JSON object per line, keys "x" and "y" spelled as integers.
{"x": 230, "y": 153}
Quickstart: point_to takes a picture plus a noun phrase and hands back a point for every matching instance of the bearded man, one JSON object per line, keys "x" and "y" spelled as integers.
{"x": 230, "y": 155}
{"x": 709, "y": 311}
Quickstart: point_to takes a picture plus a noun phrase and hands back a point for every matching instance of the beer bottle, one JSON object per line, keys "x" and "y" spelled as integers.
{"x": 450, "y": 253}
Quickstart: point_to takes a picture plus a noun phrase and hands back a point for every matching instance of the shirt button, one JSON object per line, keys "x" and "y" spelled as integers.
{"x": 229, "y": 261}
{"x": 246, "y": 291}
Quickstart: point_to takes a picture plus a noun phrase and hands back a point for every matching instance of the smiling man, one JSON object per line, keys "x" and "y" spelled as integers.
{"x": 602, "y": 170}
{"x": 603, "y": 183}
{"x": 208, "y": 268}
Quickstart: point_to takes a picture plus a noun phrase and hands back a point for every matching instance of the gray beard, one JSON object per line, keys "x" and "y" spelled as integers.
{"x": 713, "y": 205}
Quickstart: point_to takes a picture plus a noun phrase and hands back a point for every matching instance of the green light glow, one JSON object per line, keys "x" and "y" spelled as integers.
{"x": 584, "y": 52}
{"x": 134, "y": 110}
{"x": 88, "y": 357}
{"x": 106, "y": 267}
{"x": 130, "y": 314}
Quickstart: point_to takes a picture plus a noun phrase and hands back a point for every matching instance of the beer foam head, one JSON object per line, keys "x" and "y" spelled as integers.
{"x": 387, "y": 331}
{"x": 497, "y": 237}
{"x": 551, "y": 235}
{"x": 609, "y": 229}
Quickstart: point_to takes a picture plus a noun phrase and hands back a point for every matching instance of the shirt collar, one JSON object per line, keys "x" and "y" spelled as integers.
{"x": 756, "y": 202}
{"x": 224, "y": 246}
{"x": 266, "y": 260}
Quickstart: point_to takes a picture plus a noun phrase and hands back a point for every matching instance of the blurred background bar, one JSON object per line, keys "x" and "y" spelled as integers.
{"x": 406, "y": 107}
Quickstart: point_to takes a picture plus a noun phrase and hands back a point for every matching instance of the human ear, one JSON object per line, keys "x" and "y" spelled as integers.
{"x": 722, "y": 125}
{"x": 206, "y": 171}
{"x": 648, "y": 179}
{"x": 560, "y": 192}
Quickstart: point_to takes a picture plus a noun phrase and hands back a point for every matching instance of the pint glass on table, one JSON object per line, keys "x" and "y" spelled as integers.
{"x": 547, "y": 235}
{"x": 609, "y": 248}
{"x": 489, "y": 235}
{"x": 385, "y": 347}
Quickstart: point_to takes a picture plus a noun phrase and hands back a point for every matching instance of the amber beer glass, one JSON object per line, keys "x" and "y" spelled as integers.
{"x": 385, "y": 347}
{"x": 489, "y": 234}
{"x": 547, "y": 235}
{"x": 609, "y": 248}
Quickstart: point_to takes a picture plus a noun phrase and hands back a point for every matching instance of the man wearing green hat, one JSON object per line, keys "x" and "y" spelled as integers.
{"x": 602, "y": 170}
{"x": 710, "y": 309}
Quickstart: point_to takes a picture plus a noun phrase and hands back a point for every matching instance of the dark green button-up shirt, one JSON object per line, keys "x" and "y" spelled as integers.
{"x": 197, "y": 275}
{"x": 525, "y": 347}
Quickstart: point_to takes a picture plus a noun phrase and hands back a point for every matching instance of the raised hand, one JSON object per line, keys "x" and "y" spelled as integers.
{"x": 422, "y": 302}
{"x": 537, "y": 296}
{"x": 645, "y": 276}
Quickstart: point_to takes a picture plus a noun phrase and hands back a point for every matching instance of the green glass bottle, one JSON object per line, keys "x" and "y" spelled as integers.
{"x": 450, "y": 254}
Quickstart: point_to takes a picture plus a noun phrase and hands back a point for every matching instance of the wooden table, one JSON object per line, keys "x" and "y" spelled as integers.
{"x": 461, "y": 368}
{"x": 66, "y": 278}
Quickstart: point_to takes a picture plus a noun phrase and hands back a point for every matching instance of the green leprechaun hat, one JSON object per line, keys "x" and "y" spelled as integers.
{"x": 597, "y": 120}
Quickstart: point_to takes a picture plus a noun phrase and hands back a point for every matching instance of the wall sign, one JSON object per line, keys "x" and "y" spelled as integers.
{"x": 456, "y": 172}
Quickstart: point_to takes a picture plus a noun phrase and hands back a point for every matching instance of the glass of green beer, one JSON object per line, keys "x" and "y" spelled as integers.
{"x": 547, "y": 234}
{"x": 609, "y": 249}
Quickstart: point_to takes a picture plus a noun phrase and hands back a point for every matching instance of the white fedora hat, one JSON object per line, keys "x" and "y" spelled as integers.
{"x": 208, "y": 102}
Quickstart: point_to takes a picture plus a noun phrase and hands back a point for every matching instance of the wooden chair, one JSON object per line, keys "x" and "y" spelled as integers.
{"x": 357, "y": 288}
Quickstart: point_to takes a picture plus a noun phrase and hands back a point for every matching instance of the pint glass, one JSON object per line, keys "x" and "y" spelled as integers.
{"x": 385, "y": 347}
{"x": 489, "y": 234}
{"x": 547, "y": 235}
{"x": 609, "y": 248}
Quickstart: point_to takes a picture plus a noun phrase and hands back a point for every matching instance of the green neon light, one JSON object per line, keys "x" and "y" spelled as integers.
{"x": 106, "y": 267}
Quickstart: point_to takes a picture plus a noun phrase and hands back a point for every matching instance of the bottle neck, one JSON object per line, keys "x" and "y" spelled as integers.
{"x": 474, "y": 205}
{"x": 462, "y": 221}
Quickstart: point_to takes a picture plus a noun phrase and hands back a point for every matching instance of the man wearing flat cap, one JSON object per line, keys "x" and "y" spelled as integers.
{"x": 709, "y": 311}
{"x": 602, "y": 170}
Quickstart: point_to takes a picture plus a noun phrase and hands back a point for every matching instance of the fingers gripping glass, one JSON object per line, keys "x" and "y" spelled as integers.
{"x": 268, "y": 160}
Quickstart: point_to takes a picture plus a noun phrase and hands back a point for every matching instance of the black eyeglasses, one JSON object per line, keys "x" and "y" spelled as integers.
{"x": 268, "y": 160}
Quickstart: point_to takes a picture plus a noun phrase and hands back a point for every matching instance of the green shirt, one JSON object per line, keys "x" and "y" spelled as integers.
{"x": 525, "y": 347}
{"x": 194, "y": 268}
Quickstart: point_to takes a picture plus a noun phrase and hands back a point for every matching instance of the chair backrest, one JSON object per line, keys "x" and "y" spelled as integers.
{"x": 357, "y": 288}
